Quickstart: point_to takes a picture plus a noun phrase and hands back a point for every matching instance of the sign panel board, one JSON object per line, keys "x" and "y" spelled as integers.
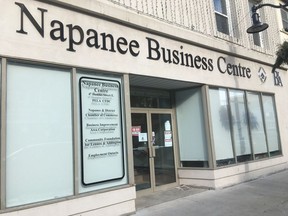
{"x": 101, "y": 130}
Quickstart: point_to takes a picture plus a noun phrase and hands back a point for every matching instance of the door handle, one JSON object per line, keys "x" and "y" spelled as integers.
{"x": 150, "y": 152}
{"x": 153, "y": 152}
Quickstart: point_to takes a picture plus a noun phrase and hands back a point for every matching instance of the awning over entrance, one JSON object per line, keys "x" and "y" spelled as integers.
{"x": 159, "y": 83}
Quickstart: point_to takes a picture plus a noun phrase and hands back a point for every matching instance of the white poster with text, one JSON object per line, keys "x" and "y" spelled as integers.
{"x": 101, "y": 130}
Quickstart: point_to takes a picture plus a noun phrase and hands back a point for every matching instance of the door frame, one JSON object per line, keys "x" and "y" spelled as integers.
{"x": 148, "y": 112}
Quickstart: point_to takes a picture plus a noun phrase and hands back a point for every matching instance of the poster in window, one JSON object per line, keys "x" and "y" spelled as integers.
{"x": 101, "y": 130}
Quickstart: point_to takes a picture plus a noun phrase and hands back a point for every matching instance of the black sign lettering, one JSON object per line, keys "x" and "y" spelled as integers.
{"x": 277, "y": 79}
{"x": 25, "y": 11}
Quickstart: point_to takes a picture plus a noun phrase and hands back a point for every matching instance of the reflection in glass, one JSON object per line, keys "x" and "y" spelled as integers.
{"x": 221, "y": 16}
{"x": 271, "y": 125}
{"x": 222, "y": 24}
{"x": 220, "y": 6}
{"x": 221, "y": 127}
{"x": 240, "y": 126}
{"x": 250, "y": 118}
{"x": 256, "y": 125}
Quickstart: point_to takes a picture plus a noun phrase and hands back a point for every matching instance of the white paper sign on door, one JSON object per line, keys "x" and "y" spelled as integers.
{"x": 168, "y": 138}
{"x": 142, "y": 137}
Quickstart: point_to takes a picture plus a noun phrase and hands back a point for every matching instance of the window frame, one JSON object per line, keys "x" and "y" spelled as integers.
{"x": 226, "y": 16}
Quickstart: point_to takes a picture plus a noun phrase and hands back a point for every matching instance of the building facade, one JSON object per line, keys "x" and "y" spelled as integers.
{"x": 153, "y": 94}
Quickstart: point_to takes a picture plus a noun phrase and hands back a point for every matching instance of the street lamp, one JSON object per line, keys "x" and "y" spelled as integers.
{"x": 258, "y": 26}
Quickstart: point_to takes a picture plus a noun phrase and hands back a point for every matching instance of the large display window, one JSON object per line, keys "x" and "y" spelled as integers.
{"x": 244, "y": 125}
{"x": 39, "y": 149}
{"x": 240, "y": 127}
{"x": 221, "y": 127}
{"x": 256, "y": 123}
{"x": 271, "y": 125}
{"x": 191, "y": 128}
{"x": 46, "y": 111}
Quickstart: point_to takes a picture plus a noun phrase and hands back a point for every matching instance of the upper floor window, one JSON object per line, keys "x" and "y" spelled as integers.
{"x": 222, "y": 16}
{"x": 257, "y": 37}
{"x": 284, "y": 15}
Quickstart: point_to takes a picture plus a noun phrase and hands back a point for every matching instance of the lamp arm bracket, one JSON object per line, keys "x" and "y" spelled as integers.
{"x": 256, "y": 7}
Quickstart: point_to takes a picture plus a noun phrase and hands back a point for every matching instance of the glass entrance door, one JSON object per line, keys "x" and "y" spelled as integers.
{"x": 162, "y": 148}
{"x": 141, "y": 153}
{"x": 153, "y": 150}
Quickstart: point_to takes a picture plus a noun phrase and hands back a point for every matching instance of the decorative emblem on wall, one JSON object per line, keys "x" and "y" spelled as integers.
{"x": 262, "y": 75}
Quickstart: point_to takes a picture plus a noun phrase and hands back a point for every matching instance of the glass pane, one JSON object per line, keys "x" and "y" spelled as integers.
{"x": 222, "y": 24}
{"x": 191, "y": 128}
{"x": 240, "y": 126}
{"x": 284, "y": 15}
{"x": 271, "y": 125}
{"x": 256, "y": 125}
{"x": 39, "y": 134}
{"x": 140, "y": 151}
{"x": 163, "y": 145}
{"x": 221, "y": 127}
{"x": 220, "y": 6}
{"x": 257, "y": 39}
{"x": 285, "y": 25}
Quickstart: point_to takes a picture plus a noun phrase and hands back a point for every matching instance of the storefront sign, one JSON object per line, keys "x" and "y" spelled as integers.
{"x": 95, "y": 38}
{"x": 76, "y": 37}
{"x": 101, "y": 130}
{"x": 277, "y": 79}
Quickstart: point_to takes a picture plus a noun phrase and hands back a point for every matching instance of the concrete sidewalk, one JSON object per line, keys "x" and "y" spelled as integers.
{"x": 266, "y": 196}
